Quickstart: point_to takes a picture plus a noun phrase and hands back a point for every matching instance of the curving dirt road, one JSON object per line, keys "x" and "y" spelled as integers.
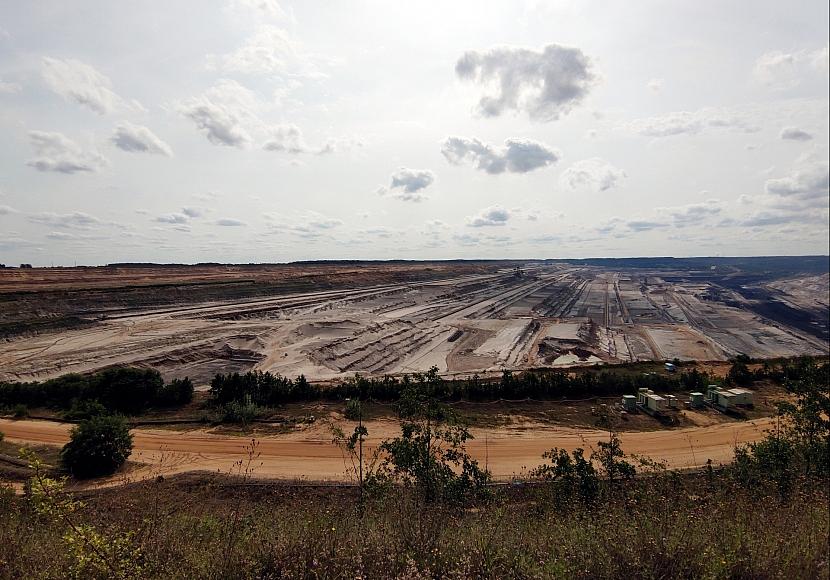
{"x": 310, "y": 455}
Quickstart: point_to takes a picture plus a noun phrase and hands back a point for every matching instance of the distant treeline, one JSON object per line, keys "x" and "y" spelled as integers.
{"x": 122, "y": 390}
{"x": 266, "y": 389}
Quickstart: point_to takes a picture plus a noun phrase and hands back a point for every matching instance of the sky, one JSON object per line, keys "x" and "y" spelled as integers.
{"x": 277, "y": 130}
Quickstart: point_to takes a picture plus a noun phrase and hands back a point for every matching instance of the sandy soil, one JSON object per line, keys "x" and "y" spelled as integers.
{"x": 309, "y": 453}
{"x": 393, "y": 319}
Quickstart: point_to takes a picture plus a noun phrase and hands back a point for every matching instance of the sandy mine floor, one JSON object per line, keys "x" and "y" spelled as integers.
{"x": 549, "y": 315}
{"x": 308, "y": 454}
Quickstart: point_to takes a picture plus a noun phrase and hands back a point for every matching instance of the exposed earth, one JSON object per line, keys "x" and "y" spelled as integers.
{"x": 330, "y": 320}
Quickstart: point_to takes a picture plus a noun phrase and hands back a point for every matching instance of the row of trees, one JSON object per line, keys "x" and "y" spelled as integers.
{"x": 270, "y": 390}
{"x": 120, "y": 390}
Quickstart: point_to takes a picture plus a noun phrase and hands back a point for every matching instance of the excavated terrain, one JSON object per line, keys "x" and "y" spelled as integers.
{"x": 332, "y": 320}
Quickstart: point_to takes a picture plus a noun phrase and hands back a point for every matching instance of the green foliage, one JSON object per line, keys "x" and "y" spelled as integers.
{"x": 243, "y": 412}
{"x": 176, "y": 393}
{"x": 120, "y": 390}
{"x": 271, "y": 390}
{"x": 430, "y": 454}
{"x": 83, "y": 409}
{"x": 801, "y": 442}
{"x": 739, "y": 373}
{"x": 611, "y": 458}
{"x": 572, "y": 476}
{"x": 20, "y": 411}
{"x": 97, "y": 446}
{"x": 91, "y": 553}
{"x": 353, "y": 411}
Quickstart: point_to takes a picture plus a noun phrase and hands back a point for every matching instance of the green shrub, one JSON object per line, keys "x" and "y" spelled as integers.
{"x": 20, "y": 411}
{"x": 97, "y": 446}
{"x": 242, "y": 412}
{"x": 353, "y": 411}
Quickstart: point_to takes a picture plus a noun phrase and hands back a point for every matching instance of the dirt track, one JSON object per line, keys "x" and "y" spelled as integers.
{"x": 310, "y": 455}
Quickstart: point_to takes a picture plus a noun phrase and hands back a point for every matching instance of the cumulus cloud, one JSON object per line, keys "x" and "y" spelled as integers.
{"x": 517, "y": 155}
{"x": 75, "y": 219}
{"x": 490, "y": 216}
{"x": 139, "y": 139}
{"x": 193, "y": 212}
{"x": 543, "y": 84}
{"x": 229, "y": 222}
{"x": 289, "y": 139}
{"x": 407, "y": 184}
{"x": 269, "y": 50}
{"x": 80, "y": 82}
{"x": 691, "y": 122}
{"x": 221, "y": 111}
{"x": 655, "y": 85}
{"x": 269, "y": 8}
{"x": 809, "y": 184}
{"x": 784, "y": 70}
{"x": 681, "y": 216}
{"x": 594, "y": 173}
{"x": 310, "y": 225}
{"x": 795, "y": 134}
{"x": 9, "y": 88}
{"x": 693, "y": 213}
{"x": 173, "y": 218}
{"x": 56, "y": 152}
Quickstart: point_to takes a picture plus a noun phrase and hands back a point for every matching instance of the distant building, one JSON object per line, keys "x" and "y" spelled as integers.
{"x": 729, "y": 398}
{"x": 670, "y": 367}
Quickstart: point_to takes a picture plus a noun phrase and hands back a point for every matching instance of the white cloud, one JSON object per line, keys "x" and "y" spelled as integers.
{"x": 221, "y": 112}
{"x": 655, "y": 85}
{"x": 75, "y": 219}
{"x": 785, "y": 70}
{"x": 9, "y": 88}
{"x": 693, "y": 213}
{"x": 795, "y": 134}
{"x": 193, "y": 212}
{"x": 230, "y": 222}
{"x": 594, "y": 173}
{"x": 407, "y": 184}
{"x": 270, "y": 50}
{"x": 289, "y": 139}
{"x": 7, "y": 210}
{"x": 545, "y": 85}
{"x": 490, "y": 216}
{"x": 56, "y": 152}
{"x": 139, "y": 139}
{"x": 517, "y": 155}
{"x": 80, "y": 82}
{"x": 269, "y": 8}
{"x": 173, "y": 218}
{"x": 691, "y": 122}
{"x": 809, "y": 183}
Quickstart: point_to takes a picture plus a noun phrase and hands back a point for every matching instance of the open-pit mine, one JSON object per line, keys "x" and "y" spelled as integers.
{"x": 463, "y": 318}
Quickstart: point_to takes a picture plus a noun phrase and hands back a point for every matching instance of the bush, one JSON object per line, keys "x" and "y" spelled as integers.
{"x": 177, "y": 392}
{"x": 82, "y": 409}
{"x": 20, "y": 411}
{"x": 353, "y": 410}
{"x": 97, "y": 446}
{"x": 242, "y": 412}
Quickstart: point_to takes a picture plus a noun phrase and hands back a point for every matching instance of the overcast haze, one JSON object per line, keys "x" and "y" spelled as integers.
{"x": 265, "y": 131}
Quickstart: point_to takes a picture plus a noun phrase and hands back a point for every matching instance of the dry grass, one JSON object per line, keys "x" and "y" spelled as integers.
{"x": 669, "y": 526}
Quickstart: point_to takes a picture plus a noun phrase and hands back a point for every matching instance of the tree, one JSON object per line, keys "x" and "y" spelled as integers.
{"x": 97, "y": 446}
{"x": 430, "y": 453}
{"x": 739, "y": 373}
{"x": 612, "y": 459}
{"x": 572, "y": 475}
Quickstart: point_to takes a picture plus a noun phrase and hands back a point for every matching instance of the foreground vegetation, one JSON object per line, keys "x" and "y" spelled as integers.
{"x": 425, "y": 509}
{"x": 663, "y": 527}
